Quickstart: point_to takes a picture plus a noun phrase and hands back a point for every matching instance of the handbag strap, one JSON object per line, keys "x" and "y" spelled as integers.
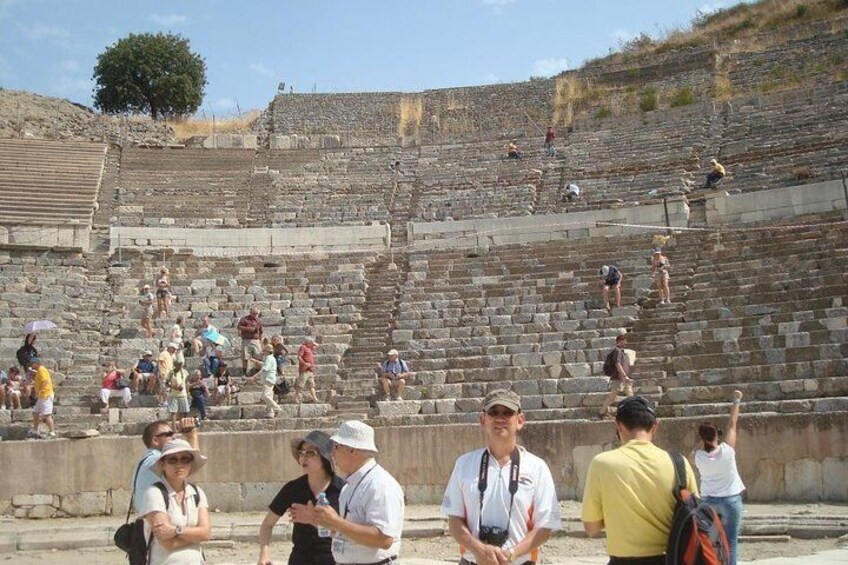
{"x": 132, "y": 496}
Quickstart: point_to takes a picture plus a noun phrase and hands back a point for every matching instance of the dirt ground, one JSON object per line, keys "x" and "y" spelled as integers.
{"x": 556, "y": 551}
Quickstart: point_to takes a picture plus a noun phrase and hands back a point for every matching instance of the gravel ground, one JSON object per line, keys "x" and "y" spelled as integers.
{"x": 556, "y": 551}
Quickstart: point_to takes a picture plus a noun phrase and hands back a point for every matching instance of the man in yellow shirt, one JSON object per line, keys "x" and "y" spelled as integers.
{"x": 43, "y": 409}
{"x": 629, "y": 490}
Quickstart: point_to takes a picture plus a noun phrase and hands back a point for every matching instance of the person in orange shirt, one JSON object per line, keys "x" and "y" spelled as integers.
{"x": 43, "y": 410}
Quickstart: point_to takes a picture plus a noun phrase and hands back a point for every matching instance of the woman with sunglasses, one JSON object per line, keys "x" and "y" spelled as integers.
{"x": 313, "y": 454}
{"x": 175, "y": 511}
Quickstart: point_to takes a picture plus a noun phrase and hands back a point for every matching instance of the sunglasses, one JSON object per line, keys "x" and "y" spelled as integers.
{"x": 186, "y": 460}
{"x": 495, "y": 413}
{"x": 307, "y": 453}
{"x": 169, "y": 433}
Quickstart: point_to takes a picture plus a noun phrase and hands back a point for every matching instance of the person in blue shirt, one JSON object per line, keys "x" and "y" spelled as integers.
{"x": 611, "y": 279}
{"x": 392, "y": 375}
{"x": 143, "y": 373}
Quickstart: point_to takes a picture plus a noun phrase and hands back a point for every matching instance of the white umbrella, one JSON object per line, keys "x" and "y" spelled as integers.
{"x": 38, "y": 325}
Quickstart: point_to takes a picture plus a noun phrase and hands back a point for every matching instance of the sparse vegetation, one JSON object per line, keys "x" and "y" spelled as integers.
{"x": 185, "y": 128}
{"x": 603, "y": 112}
{"x": 649, "y": 100}
{"x": 410, "y": 113}
{"x": 684, "y": 96}
{"x": 570, "y": 91}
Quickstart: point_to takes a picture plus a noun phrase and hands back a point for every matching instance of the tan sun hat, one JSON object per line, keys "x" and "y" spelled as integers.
{"x": 175, "y": 446}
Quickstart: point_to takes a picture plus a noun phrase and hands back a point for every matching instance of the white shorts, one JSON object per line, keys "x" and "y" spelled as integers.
{"x": 44, "y": 406}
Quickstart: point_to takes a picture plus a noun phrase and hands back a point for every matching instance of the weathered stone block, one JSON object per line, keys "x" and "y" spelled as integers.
{"x": 526, "y": 359}
{"x": 313, "y": 410}
{"x": 447, "y": 406}
{"x": 399, "y": 408}
{"x": 577, "y": 370}
{"x": 255, "y": 496}
{"x": 224, "y": 497}
{"x": 835, "y": 479}
{"x": 469, "y": 404}
{"x": 84, "y": 503}
{"x": 32, "y": 499}
{"x": 804, "y": 480}
{"x": 552, "y": 401}
{"x": 768, "y": 482}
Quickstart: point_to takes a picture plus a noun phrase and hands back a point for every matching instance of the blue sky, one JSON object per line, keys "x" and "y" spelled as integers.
{"x": 50, "y": 46}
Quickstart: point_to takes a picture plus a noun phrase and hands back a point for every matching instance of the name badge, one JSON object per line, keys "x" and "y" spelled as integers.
{"x": 338, "y": 546}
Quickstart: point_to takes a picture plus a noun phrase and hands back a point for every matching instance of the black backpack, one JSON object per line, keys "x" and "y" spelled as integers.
{"x": 23, "y": 356}
{"x": 609, "y": 364}
{"x": 697, "y": 536}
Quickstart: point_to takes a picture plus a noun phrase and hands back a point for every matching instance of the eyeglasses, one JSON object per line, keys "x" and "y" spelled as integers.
{"x": 187, "y": 460}
{"x": 495, "y": 413}
{"x": 169, "y": 433}
{"x": 307, "y": 453}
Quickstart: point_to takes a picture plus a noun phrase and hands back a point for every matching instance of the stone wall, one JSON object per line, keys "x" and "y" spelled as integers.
{"x": 252, "y": 241}
{"x": 723, "y": 208}
{"x": 506, "y": 231}
{"x": 245, "y": 470}
{"x": 74, "y": 236}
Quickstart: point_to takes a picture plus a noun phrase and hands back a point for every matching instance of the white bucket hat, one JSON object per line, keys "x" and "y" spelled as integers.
{"x": 179, "y": 446}
{"x": 355, "y": 434}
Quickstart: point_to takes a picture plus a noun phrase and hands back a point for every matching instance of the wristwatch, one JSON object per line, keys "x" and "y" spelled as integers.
{"x": 510, "y": 556}
{"x": 178, "y": 531}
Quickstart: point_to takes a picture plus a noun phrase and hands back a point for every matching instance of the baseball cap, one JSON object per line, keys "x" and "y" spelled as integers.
{"x": 146, "y": 353}
{"x": 502, "y": 397}
{"x": 633, "y": 404}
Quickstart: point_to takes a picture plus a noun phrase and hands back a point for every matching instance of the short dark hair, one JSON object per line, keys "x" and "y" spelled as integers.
{"x": 150, "y": 431}
{"x": 636, "y": 413}
{"x": 620, "y": 337}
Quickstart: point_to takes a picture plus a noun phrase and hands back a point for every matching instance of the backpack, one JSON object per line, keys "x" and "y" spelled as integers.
{"x": 697, "y": 536}
{"x": 23, "y": 356}
{"x": 609, "y": 364}
{"x": 403, "y": 366}
{"x": 129, "y": 537}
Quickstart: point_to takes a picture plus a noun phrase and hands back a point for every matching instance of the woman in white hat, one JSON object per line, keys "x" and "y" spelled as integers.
{"x": 313, "y": 454}
{"x": 175, "y": 511}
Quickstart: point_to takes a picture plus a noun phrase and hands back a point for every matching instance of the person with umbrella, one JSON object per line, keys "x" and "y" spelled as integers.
{"x": 27, "y": 351}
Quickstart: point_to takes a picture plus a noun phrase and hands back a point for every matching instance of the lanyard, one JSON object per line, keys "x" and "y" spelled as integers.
{"x": 483, "y": 482}
{"x": 349, "y": 500}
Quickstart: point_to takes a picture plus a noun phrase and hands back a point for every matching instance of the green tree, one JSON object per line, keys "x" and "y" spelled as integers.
{"x": 150, "y": 73}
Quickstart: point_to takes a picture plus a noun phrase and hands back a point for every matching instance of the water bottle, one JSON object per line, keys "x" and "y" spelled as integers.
{"x": 322, "y": 501}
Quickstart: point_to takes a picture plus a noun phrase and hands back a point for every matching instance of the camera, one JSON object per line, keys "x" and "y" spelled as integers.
{"x": 493, "y": 535}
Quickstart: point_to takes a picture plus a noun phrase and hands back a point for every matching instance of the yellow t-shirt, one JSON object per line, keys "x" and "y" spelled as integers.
{"x": 43, "y": 383}
{"x": 166, "y": 364}
{"x": 719, "y": 168}
{"x": 630, "y": 489}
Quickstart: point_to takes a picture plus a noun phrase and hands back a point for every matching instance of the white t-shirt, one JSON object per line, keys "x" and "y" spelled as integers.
{"x": 719, "y": 476}
{"x": 153, "y": 501}
{"x": 573, "y": 189}
{"x": 269, "y": 370}
{"x": 372, "y": 497}
{"x": 535, "y": 502}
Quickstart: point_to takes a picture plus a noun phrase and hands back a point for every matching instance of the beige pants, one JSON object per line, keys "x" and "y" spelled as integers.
{"x": 268, "y": 397}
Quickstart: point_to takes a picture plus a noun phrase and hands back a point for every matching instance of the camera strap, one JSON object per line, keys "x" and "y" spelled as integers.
{"x": 483, "y": 483}
{"x": 349, "y": 500}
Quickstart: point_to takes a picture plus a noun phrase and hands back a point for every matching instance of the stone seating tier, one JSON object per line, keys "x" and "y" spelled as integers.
{"x": 44, "y": 182}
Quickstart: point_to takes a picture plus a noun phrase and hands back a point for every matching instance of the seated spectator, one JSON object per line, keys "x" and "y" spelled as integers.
{"x": 209, "y": 365}
{"x": 111, "y": 387}
{"x": 200, "y": 343}
{"x": 395, "y": 168}
{"x": 611, "y": 278}
{"x": 393, "y": 375}
{"x": 28, "y": 394}
{"x": 572, "y": 191}
{"x": 512, "y": 150}
{"x": 199, "y": 393}
{"x": 715, "y": 175}
{"x": 224, "y": 387}
{"x": 143, "y": 377}
{"x": 13, "y": 388}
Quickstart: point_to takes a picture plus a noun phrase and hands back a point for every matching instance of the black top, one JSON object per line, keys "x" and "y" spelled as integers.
{"x": 308, "y": 548}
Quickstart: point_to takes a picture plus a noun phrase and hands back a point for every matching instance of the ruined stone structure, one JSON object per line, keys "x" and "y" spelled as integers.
{"x": 474, "y": 266}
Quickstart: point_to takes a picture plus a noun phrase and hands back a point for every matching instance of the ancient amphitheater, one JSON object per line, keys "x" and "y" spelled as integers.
{"x": 474, "y": 266}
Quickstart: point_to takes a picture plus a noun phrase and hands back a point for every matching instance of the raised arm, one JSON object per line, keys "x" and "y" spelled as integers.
{"x": 730, "y": 439}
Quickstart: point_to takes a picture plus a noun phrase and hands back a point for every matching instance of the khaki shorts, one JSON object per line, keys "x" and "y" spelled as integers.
{"x": 251, "y": 349}
{"x": 305, "y": 378}
{"x": 619, "y": 385}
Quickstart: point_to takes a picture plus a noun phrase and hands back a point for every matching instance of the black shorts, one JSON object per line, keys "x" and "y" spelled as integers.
{"x": 612, "y": 283}
{"x": 162, "y": 293}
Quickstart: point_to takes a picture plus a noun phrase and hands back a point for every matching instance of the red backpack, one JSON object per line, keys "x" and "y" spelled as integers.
{"x": 697, "y": 536}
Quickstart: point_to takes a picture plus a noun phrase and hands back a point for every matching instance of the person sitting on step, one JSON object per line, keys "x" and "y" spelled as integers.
{"x": 392, "y": 376}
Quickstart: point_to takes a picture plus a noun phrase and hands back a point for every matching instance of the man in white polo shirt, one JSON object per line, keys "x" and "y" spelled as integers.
{"x": 501, "y": 501}
{"x": 368, "y": 526}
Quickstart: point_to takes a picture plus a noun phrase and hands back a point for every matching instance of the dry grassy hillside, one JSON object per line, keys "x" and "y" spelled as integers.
{"x": 28, "y": 115}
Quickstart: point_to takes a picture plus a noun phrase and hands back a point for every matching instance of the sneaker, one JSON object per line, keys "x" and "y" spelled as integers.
{"x": 270, "y": 414}
{"x": 51, "y": 435}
